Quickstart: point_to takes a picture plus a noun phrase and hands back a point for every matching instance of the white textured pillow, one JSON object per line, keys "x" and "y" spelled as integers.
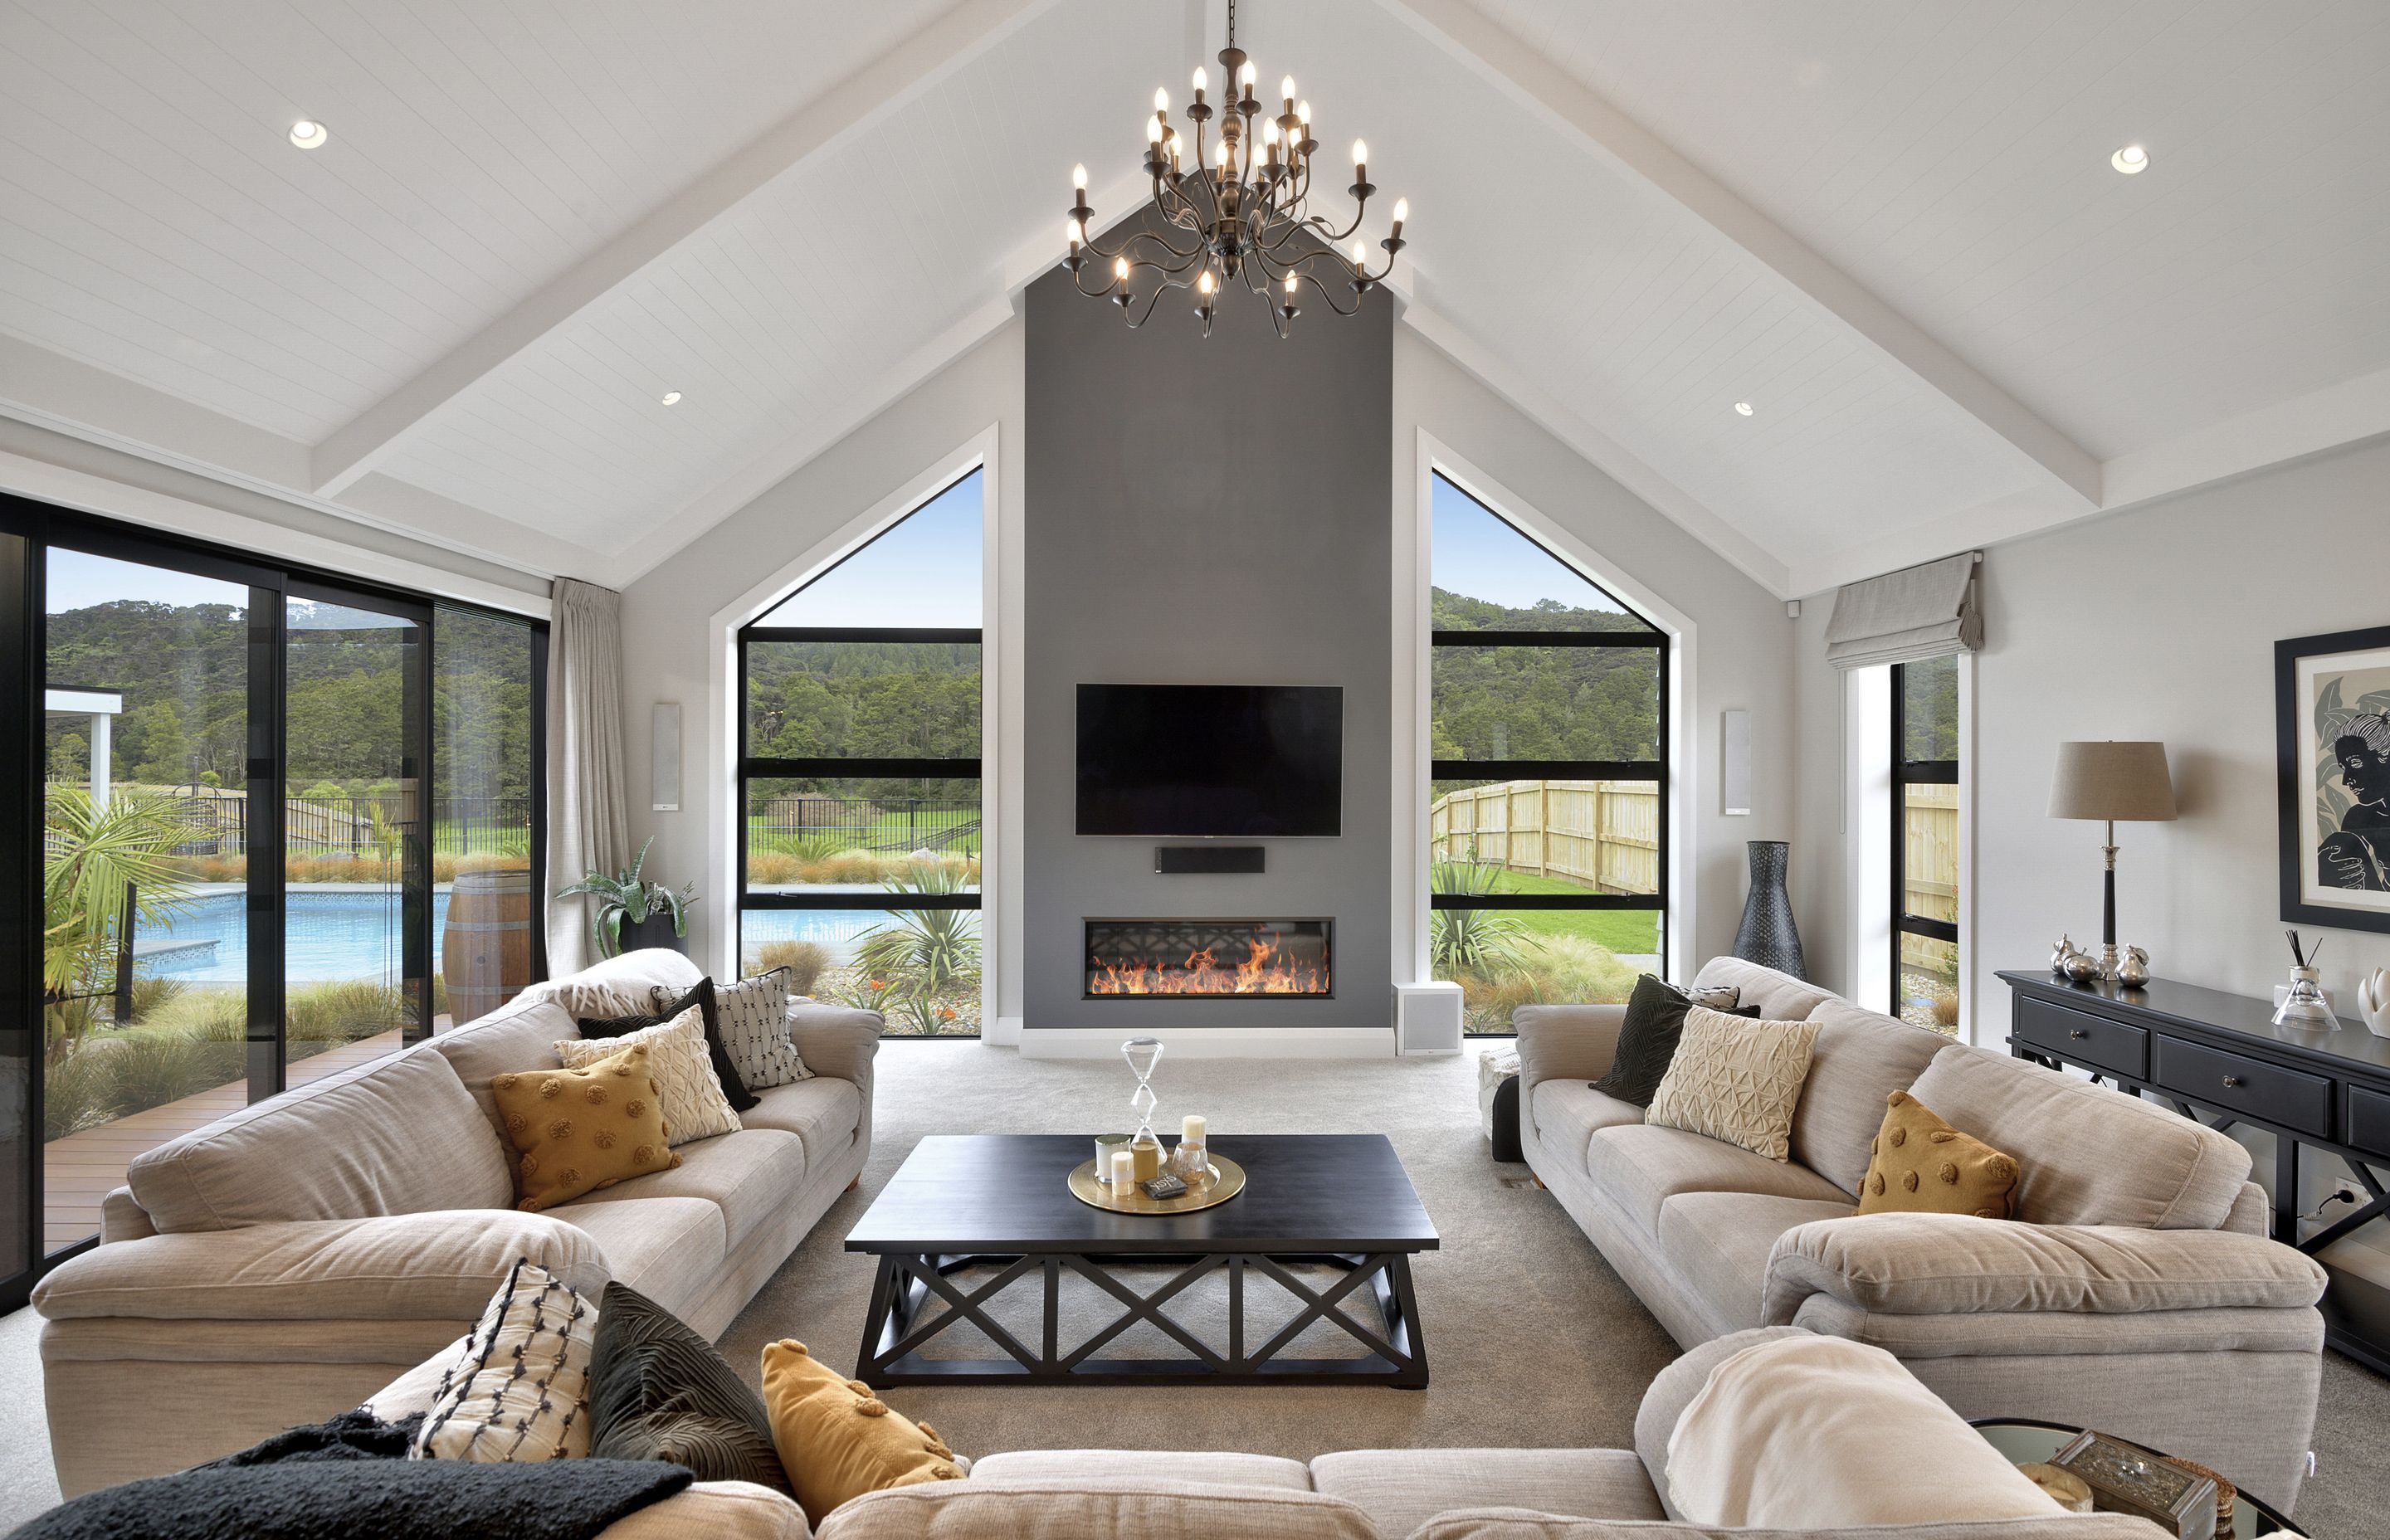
{"x": 1736, "y": 1079}
{"x": 520, "y": 1388}
{"x": 694, "y": 1106}
{"x": 753, "y": 1017}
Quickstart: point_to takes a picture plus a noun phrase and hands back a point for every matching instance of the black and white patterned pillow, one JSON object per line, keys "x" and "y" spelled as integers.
{"x": 753, "y": 1016}
{"x": 520, "y": 1391}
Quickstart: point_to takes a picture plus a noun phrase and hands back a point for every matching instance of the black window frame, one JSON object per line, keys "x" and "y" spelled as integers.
{"x": 1905, "y": 773}
{"x": 1652, "y": 638}
{"x": 753, "y": 767}
{"x": 45, "y": 526}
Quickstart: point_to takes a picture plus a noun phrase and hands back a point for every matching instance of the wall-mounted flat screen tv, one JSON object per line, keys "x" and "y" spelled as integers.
{"x": 1246, "y": 761}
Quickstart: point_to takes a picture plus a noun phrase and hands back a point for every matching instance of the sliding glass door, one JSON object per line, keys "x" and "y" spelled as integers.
{"x": 357, "y": 856}
{"x": 247, "y": 812}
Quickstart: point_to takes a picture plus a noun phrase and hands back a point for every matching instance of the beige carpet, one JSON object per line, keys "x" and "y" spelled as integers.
{"x": 1532, "y": 1339}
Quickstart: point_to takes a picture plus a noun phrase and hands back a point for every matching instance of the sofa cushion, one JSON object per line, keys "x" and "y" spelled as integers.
{"x": 718, "y": 1510}
{"x": 1780, "y": 996}
{"x": 1401, "y": 1489}
{"x": 1647, "y": 1038}
{"x": 1224, "y": 1468}
{"x": 1736, "y": 1080}
{"x": 1917, "y": 1163}
{"x": 397, "y": 1135}
{"x": 823, "y": 1111}
{"x": 518, "y": 1035}
{"x": 620, "y": 986}
{"x": 1518, "y": 1524}
{"x": 518, "y": 1392}
{"x": 837, "y": 1440}
{"x": 1567, "y": 1112}
{"x": 2089, "y": 1155}
{"x": 749, "y": 1175}
{"x": 1644, "y": 1166}
{"x": 1859, "y": 1059}
{"x": 1719, "y": 1244}
{"x": 659, "y": 1391}
{"x": 1157, "y": 1510}
{"x": 583, "y": 1130}
{"x": 669, "y": 1249}
{"x": 695, "y": 1103}
{"x": 437, "y": 1265}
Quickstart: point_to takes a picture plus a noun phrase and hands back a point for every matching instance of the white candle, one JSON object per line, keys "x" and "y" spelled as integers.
{"x": 1124, "y": 1171}
{"x": 1193, "y": 1128}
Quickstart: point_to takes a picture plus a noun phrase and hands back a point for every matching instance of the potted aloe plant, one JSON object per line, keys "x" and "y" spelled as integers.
{"x": 633, "y": 911}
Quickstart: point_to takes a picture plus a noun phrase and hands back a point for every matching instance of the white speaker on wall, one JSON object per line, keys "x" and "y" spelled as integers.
{"x": 1427, "y": 1017}
{"x": 663, "y": 751}
{"x": 1734, "y": 764}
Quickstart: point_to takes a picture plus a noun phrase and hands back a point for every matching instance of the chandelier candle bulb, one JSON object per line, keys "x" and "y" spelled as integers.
{"x": 1154, "y": 129}
{"x": 1079, "y": 178}
{"x": 1286, "y": 90}
{"x": 1202, "y": 82}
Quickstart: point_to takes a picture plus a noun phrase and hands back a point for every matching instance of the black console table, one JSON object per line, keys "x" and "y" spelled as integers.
{"x": 2220, "y": 1059}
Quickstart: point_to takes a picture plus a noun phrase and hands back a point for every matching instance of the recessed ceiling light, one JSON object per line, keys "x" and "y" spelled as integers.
{"x": 671, "y": 396}
{"x": 2132, "y": 159}
{"x": 1743, "y": 406}
{"x": 307, "y": 133}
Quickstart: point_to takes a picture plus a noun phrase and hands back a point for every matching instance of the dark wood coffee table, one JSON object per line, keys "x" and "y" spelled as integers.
{"x": 963, "y": 1201}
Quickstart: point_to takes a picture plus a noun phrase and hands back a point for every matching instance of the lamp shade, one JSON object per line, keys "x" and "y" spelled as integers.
{"x": 2126, "y": 782}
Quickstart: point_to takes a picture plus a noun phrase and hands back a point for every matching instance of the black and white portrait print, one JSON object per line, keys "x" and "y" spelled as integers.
{"x": 2340, "y": 731}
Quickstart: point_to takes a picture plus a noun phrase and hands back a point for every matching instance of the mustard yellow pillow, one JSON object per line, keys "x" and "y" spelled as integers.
{"x": 575, "y": 1131}
{"x": 1920, "y": 1164}
{"x": 837, "y": 1440}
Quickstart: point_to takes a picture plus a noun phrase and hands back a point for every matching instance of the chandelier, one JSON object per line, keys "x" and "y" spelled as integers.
{"x": 1242, "y": 206}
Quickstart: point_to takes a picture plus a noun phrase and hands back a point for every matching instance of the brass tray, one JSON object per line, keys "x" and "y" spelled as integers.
{"x": 1227, "y": 1180}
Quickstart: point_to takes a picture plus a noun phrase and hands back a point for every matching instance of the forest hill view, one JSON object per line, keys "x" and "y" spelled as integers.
{"x": 1495, "y": 835}
{"x": 173, "y": 827}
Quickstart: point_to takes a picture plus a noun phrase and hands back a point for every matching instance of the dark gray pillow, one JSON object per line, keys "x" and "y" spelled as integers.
{"x": 659, "y": 1391}
{"x": 1647, "y": 1040}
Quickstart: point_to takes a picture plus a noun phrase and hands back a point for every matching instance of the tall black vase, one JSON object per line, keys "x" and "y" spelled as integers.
{"x": 1767, "y": 936}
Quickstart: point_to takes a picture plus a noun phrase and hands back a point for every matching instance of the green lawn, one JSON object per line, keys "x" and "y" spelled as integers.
{"x": 1635, "y": 931}
{"x": 882, "y": 831}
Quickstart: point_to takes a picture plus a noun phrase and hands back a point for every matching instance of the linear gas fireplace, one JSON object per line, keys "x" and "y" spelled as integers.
{"x": 1236, "y": 958}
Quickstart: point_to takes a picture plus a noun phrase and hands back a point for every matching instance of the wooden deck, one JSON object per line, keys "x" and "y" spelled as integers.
{"x": 81, "y": 1169}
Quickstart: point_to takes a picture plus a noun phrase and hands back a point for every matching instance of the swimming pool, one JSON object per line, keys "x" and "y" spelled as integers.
{"x": 836, "y": 930}
{"x": 329, "y": 934}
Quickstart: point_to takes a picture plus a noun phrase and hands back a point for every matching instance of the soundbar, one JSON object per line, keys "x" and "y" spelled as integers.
{"x": 1175, "y": 860}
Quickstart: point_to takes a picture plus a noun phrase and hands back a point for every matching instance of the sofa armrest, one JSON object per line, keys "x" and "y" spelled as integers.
{"x": 439, "y": 1265}
{"x": 1673, "y": 1390}
{"x": 840, "y": 1041}
{"x": 1563, "y": 1042}
{"x": 123, "y": 1219}
{"x": 1947, "y": 1264}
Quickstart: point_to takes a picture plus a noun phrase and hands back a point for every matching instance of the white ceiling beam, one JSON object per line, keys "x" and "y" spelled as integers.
{"x": 864, "y": 97}
{"x": 1559, "y": 98}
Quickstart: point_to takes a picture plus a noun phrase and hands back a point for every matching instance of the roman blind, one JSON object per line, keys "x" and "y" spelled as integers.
{"x": 1906, "y": 616}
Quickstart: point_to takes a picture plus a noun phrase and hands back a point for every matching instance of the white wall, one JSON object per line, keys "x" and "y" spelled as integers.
{"x": 1743, "y": 639}
{"x": 667, "y": 614}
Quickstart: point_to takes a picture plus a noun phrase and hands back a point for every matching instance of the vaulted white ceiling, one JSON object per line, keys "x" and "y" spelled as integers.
{"x": 1892, "y": 228}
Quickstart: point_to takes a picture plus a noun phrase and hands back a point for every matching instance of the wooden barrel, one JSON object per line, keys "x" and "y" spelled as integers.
{"x": 485, "y": 947}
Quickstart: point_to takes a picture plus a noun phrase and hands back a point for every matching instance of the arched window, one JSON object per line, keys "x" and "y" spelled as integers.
{"x": 1548, "y": 826}
{"x": 859, "y": 776}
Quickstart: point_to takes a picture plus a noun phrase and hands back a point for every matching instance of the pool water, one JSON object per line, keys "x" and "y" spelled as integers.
{"x": 327, "y": 936}
{"x": 835, "y": 930}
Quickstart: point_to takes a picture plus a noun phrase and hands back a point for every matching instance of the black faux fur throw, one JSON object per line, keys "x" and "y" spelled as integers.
{"x": 344, "y": 1480}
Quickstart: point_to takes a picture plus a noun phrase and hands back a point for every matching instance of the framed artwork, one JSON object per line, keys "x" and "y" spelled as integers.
{"x": 2331, "y": 716}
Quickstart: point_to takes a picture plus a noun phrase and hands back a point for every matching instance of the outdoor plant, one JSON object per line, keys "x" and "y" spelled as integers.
{"x": 803, "y": 959}
{"x": 918, "y": 963}
{"x": 1475, "y": 942}
{"x": 630, "y": 896}
{"x": 94, "y": 854}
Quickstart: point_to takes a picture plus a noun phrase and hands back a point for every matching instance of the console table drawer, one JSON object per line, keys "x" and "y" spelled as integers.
{"x": 2369, "y": 1119}
{"x": 2083, "y": 1038}
{"x": 2290, "y": 1097}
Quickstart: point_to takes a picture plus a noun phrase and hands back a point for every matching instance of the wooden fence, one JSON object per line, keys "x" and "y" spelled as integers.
{"x": 1931, "y": 866}
{"x": 1605, "y": 834}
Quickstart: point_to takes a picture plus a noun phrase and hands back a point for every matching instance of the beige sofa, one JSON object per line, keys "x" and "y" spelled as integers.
{"x": 1356, "y": 1494}
{"x": 2140, "y": 1297}
{"x": 278, "y": 1266}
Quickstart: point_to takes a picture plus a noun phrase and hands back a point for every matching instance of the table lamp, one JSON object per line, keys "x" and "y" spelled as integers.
{"x": 2110, "y": 782}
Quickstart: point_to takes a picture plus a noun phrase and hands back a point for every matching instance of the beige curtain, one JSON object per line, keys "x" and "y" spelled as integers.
{"x": 588, "y": 827}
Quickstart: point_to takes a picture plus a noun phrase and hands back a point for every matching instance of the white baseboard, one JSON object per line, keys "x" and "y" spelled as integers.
{"x": 1003, "y": 1031}
{"x": 1212, "y": 1042}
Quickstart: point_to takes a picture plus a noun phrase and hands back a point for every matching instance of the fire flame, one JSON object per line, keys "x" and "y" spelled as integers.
{"x": 1264, "y": 971}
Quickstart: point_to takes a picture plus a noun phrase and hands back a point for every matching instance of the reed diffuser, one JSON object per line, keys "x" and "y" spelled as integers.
{"x": 2304, "y": 1003}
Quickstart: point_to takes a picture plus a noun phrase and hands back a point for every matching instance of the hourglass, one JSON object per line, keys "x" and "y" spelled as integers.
{"x": 1144, "y": 1146}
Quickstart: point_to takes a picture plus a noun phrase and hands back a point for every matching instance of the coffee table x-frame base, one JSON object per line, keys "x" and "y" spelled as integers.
{"x": 894, "y": 1332}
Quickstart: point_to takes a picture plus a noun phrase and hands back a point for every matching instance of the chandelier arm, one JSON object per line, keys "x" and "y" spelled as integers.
{"x": 1152, "y": 300}
{"x": 1182, "y": 214}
